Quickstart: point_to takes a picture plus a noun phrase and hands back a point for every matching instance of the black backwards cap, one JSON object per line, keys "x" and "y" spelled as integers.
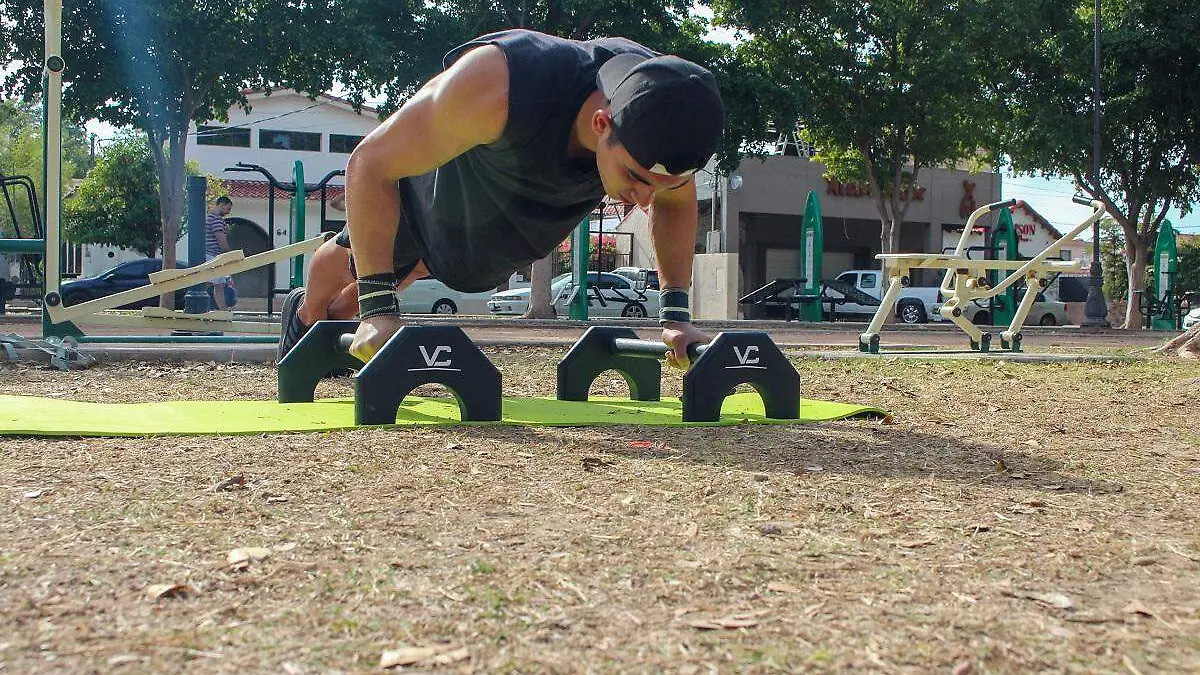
{"x": 666, "y": 111}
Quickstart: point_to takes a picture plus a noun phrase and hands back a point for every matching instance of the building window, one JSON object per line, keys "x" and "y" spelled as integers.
{"x": 343, "y": 143}
{"x": 231, "y": 137}
{"x": 273, "y": 139}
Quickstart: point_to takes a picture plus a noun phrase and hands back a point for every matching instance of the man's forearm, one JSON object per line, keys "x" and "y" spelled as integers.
{"x": 673, "y": 233}
{"x": 372, "y": 213}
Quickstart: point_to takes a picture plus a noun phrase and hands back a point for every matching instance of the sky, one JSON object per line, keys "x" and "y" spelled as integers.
{"x": 1052, "y": 199}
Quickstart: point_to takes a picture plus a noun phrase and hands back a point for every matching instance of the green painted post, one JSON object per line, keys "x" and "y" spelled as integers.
{"x": 1166, "y": 267}
{"x": 297, "y": 222}
{"x": 1004, "y": 241}
{"x": 812, "y": 250}
{"x": 578, "y": 309}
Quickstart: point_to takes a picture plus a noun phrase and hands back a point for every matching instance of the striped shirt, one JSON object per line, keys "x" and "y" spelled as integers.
{"x": 213, "y": 225}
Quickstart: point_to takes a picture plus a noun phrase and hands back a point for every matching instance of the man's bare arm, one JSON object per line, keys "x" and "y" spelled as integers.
{"x": 465, "y": 106}
{"x": 673, "y": 222}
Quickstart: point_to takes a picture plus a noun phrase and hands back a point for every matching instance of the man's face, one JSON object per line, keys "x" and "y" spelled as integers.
{"x": 226, "y": 209}
{"x": 627, "y": 181}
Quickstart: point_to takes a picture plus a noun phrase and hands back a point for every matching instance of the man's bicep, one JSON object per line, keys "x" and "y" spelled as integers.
{"x": 459, "y": 109}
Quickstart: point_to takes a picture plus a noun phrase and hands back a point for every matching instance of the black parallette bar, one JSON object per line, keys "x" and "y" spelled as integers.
{"x": 414, "y": 356}
{"x": 1082, "y": 200}
{"x": 651, "y": 349}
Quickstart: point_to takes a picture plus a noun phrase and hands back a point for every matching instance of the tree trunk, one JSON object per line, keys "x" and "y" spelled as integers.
{"x": 169, "y": 164}
{"x": 1186, "y": 345}
{"x": 1135, "y": 266}
{"x": 539, "y": 289}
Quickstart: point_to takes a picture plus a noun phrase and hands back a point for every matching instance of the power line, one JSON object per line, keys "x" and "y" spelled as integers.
{"x": 212, "y": 132}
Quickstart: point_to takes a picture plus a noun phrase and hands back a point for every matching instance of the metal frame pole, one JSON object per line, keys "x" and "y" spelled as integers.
{"x": 53, "y": 67}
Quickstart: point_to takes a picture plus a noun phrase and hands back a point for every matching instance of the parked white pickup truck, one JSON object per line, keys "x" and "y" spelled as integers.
{"x": 862, "y": 289}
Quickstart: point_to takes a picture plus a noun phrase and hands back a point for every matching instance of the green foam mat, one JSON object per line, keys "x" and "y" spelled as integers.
{"x": 36, "y": 416}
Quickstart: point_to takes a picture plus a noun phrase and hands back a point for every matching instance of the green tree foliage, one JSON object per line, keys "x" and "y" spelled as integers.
{"x": 393, "y": 47}
{"x": 21, "y": 155}
{"x": 1188, "y": 280}
{"x": 1151, "y": 115}
{"x": 883, "y": 89}
{"x": 158, "y": 65}
{"x": 117, "y": 203}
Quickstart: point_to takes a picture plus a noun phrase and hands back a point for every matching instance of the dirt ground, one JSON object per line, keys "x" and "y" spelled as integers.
{"x": 1014, "y": 518}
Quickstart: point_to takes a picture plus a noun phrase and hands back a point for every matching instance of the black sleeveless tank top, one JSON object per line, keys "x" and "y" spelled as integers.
{"x": 499, "y": 207}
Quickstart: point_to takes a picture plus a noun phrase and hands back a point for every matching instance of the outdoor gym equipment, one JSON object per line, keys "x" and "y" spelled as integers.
{"x": 418, "y": 355}
{"x": 967, "y": 280}
{"x": 732, "y": 358}
{"x": 1162, "y": 306}
{"x": 56, "y": 319}
{"x": 414, "y": 356}
{"x": 298, "y": 190}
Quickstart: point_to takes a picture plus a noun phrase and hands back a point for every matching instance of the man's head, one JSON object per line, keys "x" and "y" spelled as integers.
{"x": 223, "y": 205}
{"x": 664, "y": 113}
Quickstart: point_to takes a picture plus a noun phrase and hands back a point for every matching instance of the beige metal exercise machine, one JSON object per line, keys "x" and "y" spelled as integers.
{"x": 966, "y": 280}
{"x": 168, "y": 281}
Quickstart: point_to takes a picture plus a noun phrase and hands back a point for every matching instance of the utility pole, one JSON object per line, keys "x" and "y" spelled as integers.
{"x": 1096, "y": 310}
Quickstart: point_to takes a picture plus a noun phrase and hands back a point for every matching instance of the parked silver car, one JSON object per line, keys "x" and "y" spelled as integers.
{"x": 1044, "y": 312}
{"x": 608, "y": 295}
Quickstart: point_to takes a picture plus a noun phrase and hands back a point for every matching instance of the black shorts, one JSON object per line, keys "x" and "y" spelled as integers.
{"x": 406, "y": 251}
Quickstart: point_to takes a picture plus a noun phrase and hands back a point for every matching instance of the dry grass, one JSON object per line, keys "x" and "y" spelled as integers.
{"x": 1024, "y": 518}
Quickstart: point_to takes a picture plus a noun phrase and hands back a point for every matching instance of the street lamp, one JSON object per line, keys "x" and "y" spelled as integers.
{"x": 1096, "y": 310}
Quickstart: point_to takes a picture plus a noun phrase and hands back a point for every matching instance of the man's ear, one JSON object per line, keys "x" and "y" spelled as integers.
{"x": 601, "y": 121}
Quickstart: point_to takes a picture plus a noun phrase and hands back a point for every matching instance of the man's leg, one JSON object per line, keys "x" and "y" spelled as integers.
{"x": 219, "y": 294}
{"x": 330, "y": 292}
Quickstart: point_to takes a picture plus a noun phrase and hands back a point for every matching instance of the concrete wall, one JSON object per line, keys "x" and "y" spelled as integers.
{"x": 287, "y": 111}
{"x": 714, "y": 286}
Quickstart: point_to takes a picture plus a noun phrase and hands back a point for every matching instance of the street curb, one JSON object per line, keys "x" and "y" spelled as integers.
{"x": 265, "y": 353}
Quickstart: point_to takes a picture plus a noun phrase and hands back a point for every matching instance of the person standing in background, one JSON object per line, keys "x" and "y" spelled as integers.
{"x": 216, "y": 242}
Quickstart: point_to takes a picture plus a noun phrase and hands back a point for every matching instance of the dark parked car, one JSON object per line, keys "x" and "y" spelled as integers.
{"x": 123, "y": 277}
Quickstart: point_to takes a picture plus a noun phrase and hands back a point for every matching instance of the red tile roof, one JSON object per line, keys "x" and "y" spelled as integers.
{"x": 257, "y": 189}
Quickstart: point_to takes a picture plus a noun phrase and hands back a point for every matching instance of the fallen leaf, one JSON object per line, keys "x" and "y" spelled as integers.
{"x": 432, "y": 656}
{"x": 1082, "y": 525}
{"x": 1053, "y": 599}
{"x": 917, "y": 543}
{"x": 451, "y": 447}
{"x": 963, "y": 668}
{"x": 122, "y": 659}
{"x": 159, "y": 591}
{"x": 727, "y": 622}
{"x": 239, "y": 558}
{"x": 1135, "y": 607}
{"x": 691, "y": 531}
{"x": 34, "y": 494}
{"x": 641, "y": 444}
{"x": 594, "y": 463}
{"x": 285, "y": 547}
{"x": 230, "y": 483}
{"x": 782, "y": 587}
{"x": 776, "y": 528}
